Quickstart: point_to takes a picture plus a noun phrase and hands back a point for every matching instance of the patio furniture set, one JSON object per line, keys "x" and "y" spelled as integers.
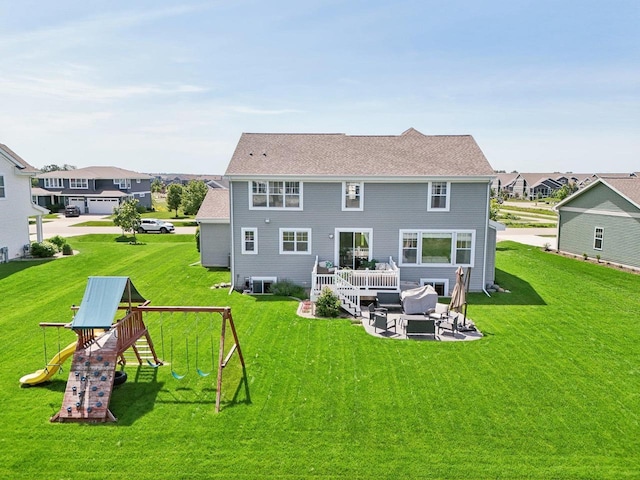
{"x": 434, "y": 320}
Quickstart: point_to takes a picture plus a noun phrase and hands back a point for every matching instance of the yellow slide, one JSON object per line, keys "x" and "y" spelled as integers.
{"x": 51, "y": 368}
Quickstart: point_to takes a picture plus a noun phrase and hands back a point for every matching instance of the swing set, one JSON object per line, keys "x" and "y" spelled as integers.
{"x": 102, "y": 341}
{"x": 223, "y": 359}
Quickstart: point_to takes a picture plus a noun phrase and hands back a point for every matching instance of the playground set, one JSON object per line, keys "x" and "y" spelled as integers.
{"x": 102, "y": 341}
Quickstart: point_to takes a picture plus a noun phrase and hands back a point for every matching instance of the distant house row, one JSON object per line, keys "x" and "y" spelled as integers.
{"x": 95, "y": 190}
{"x": 213, "y": 181}
{"x": 540, "y": 185}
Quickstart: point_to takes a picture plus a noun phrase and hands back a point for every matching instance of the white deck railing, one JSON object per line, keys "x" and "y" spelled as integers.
{"x": 361, "y": 280}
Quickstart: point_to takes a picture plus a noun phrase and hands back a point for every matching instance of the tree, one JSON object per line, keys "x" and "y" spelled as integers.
{"x": 174, "y": 197}
{"x": 494, "y": 209}
{"x": 157, "y": 185}
{"x": 193, "y": 196}
{"x": 55, "y": 168}
{"x": 127, "y": 217}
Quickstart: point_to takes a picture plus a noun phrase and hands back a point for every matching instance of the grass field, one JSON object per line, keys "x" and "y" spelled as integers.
{"x": 552, "y": 391}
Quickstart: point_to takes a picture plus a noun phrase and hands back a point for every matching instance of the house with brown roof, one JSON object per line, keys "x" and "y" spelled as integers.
{"x": 603, "y": 219}
{"x": 361, "y": 214}
{"x": 95, "y": 190}
{"x": 16, "y": 205}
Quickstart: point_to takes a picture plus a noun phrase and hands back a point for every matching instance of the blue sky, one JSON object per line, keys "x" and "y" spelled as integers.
{"x": 157, "y": 86}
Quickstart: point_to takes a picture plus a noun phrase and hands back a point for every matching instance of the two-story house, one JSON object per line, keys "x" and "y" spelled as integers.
{"x": 16, "y": 206}
{"x": 362, "y": 213}
{"x": 96, "y": 190}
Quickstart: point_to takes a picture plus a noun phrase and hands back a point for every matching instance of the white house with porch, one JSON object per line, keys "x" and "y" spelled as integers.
{"x": 16, "y": 205}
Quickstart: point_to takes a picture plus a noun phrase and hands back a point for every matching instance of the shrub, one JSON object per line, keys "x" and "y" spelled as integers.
{"x": 67, "y": 250}
{"x": 585, "y": 256}
{"x": 43, "y": 249}
{"x": 286, "y": 288}
{"x": 58, "y": 241}
{"x": 198, "y": 238}
{"x": 328, "y": 304}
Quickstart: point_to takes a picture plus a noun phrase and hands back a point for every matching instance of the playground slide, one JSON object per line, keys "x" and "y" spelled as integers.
{"x": 52, "y": 367}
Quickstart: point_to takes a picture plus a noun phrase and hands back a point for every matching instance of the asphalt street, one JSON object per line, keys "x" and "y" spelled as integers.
{"x": 66, "y": 227}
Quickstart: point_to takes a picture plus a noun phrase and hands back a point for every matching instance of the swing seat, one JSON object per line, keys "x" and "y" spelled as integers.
{"x": 153, "y": 365}
{"x": 202, "y": 374}
{"x": 176, "y": 376}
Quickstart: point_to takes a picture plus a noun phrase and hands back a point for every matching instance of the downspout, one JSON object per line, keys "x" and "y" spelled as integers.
{"x": 231, "y": 225}
{"x": 486, "y": 236}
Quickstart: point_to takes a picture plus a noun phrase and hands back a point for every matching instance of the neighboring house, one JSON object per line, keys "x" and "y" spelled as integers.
{"x": 603, "y": 219}
{"x": 318, "y": 209}
{"x": 504, "y": 183}
{"x": 96, "y": 190}
{"x": 215, "y": 229}
{"x": 16, "y": 206}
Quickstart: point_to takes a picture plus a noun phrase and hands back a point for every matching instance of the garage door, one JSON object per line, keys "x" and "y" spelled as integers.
{"x": 78, "y": 202}
{"x": 102, "y": 205}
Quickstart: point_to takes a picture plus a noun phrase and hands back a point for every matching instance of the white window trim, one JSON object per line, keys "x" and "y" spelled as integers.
{"x": 448, "y": 198}
{"x": 336, "y": 247}
{"x": 53, "y": 183}
{"x": 453, "y": 233}
{"x": 261, "y": 279}
{"x": 344, "y": 198}
{"x": 288, "y": 209}
{"x": 255, "y": 241}
{"x": 283, "y": 252}
{"x": 123, "y": 183}
{"x": 3, "y": 188}
{"x": 83, "y": 181}
{"x": 445, "y": 281}
{"x": 595, "y": 237}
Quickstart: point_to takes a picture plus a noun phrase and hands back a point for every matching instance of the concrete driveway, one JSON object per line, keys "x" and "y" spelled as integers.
{"x": 65, "y": 227}
{"x": 530, "y": 236}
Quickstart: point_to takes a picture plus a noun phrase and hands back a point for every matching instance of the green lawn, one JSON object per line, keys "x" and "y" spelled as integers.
{"x": 552, "y": 391}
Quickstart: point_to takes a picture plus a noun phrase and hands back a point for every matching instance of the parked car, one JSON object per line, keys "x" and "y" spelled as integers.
{"x": 71, "y": 211}
{"x": 148, "y": 225}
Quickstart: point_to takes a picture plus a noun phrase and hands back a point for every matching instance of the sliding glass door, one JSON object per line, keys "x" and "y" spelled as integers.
{"x": 353, "y": 248}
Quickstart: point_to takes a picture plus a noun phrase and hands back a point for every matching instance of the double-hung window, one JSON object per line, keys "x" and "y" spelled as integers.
{"x": 438, "y": 196}
{"x": 78, "y": 183}
{"x": 3, "y": 192}
{"x": 295, "y": 241}
{"x": 598, "y": 237}
{"x": 53, "y": 183}
{"x": 437, "y": 247}
{"x": 123, "y": 183}
{"x": 352, "y": 199}
{"x": 281, "y": 195}
{"x": 250, "y": 241}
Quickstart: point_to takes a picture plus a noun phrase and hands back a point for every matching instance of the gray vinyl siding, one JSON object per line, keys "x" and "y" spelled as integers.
{"x": 388, "y": 208}
{"x": 621, "y": 234}
{"x": 215, "y": 241}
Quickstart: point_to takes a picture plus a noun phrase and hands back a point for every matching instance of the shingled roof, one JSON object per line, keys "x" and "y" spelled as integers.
{"x": 410, "y": 154}
{"x": 18, "y": 161}
{"x": 98, "y": 172}
{"x": 627, "y": 186}
{"x": 215, "y": 206}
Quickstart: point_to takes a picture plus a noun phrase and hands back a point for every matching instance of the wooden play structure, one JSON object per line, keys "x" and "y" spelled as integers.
{"x": 102, "y": 343}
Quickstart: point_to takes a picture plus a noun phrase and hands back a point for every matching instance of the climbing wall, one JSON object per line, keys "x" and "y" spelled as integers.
{"x": 90, "y": 383}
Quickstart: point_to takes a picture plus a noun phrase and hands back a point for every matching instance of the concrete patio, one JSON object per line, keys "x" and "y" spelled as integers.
{"x": 397, "y": 333}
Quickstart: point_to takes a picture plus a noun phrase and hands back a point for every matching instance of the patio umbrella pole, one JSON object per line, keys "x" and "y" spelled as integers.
{"x": 466, "y": 288}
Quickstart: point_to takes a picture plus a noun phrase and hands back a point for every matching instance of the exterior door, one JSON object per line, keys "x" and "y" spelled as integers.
{"x": 353, "y": 248}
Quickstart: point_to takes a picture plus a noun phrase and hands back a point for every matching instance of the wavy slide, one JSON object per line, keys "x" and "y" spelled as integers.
{"x": 52, "y": 367}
